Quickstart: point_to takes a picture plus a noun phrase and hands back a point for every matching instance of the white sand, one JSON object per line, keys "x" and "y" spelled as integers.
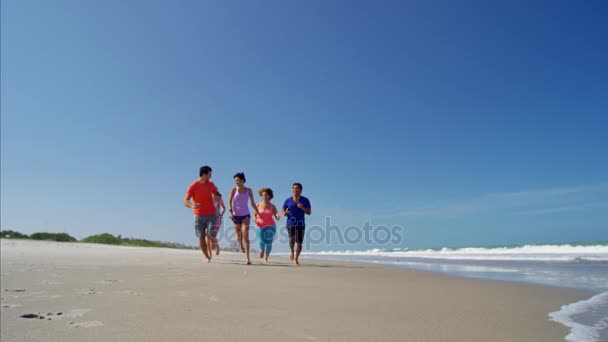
{"x": 86, "y": 292}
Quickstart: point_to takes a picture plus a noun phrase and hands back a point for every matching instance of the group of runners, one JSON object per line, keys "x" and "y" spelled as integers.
{"x": 209, "y": 208}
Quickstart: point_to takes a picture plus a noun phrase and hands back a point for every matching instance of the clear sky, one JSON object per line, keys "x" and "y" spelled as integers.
{"x": 464, "y": 122}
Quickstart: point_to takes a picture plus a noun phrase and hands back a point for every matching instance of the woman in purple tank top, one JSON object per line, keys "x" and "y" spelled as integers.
{"x": 239, "y": 212}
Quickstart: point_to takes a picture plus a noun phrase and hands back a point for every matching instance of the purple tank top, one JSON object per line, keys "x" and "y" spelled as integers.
{"x": 239, "y": 203}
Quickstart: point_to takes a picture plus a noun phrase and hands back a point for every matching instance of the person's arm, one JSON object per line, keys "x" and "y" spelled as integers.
{"x": 276, "y": 212}
{"x": 255, "y": 215}
{"x": 230, "y": 201}
{"x": 223, "y": 206}
{"x": 305, "y": 207}
{"x": 255, "y": 207}
{"x": 188, "y": 204}
{"x": 285, "y": 208}
{"x": 189, "y": 195}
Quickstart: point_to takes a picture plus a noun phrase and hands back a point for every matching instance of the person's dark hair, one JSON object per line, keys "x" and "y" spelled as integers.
{"x": 218, "y": 194}
{"x": 266, "y": 190}
{"x": 204, "y": 170}
{"x": 241, "y": 176}
{"x": 298, "y": 184}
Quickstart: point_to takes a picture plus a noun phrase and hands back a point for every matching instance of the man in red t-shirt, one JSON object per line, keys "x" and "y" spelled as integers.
{"x": 201, "y": 192}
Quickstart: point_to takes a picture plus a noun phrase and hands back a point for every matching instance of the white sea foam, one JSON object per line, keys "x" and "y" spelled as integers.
{"x": 572, "y": 253}
{"x": 580, "y": 332}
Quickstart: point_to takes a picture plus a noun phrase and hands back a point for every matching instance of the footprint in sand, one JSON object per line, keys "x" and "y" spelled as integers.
{"x": 21, "y": 293}
{"x": 10, "y": 306}
{"x": 50, "y": 316}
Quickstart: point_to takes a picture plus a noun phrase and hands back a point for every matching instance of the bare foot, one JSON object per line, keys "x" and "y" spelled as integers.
{"x": 291, "y": 256}
{"x": 248, "y": 262}
{"x": 217, "y": 252}
{"x": 296, "y": 262}
{"x": 266, "y": 260}
{"x": 208, "y": 260}
{"x": 261, "y": 254}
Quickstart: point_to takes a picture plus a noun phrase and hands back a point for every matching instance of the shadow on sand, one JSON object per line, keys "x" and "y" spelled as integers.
{"x": 256, "y": 263}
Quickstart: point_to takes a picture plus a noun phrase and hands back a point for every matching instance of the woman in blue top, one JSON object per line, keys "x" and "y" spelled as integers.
{"x": 294, "y": 208}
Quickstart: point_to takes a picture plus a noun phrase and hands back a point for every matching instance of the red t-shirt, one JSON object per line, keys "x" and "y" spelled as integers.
{"x": 201, "y": 193}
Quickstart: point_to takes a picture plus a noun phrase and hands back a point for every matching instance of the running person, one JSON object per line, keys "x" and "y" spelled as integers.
{"x": 294, "y": 208}
{"x": 239, "y": 212}
{"x": 265, "y": 222}
{"x": 220, "y": 208}
{"x": 201, "y": 192}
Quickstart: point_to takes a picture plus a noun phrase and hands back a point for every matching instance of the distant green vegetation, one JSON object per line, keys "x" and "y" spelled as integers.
{"x": 11, "y": 234}
{"x": 105, "y": 238}
{"x": 110, "y": 239}
{"x": 61, "y": 237}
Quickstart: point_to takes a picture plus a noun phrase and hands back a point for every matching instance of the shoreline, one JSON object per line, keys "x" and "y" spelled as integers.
{"x": 589, "y": 292}
{"x": 173, "y": 294}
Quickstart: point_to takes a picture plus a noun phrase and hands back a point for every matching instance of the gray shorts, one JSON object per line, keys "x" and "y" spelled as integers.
{"x": 202, "y": 224}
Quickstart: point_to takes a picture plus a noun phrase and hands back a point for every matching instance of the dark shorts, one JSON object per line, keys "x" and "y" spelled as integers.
{"x": 239, "y": 219}
{"x": 213, "y": 230}
{"x": 216, "y": 227}
{"x": 298, "y": 232}
{"x": 202, "y": 224}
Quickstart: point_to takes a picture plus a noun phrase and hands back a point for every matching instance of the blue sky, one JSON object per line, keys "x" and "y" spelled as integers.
{"x": 465, "y": 123}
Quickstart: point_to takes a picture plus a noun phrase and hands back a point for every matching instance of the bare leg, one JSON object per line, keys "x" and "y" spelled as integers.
{"x": 217, "y": 247}
{"x": 298, "y": 250}
{"x": 239, "y": 237}
{"x": 209, "y": 246}
{"x": 260, "y": 237}
{"x": 292, "y": 242}
{"x": 245, "y": 234}
{"x": 203, "y": 244}
{"x": 213, "y": 244}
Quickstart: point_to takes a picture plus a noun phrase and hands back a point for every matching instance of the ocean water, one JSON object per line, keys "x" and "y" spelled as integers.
{"x": 573, "y": 266}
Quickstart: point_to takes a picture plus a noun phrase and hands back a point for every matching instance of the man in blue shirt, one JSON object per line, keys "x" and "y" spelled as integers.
{"x": 294, "y": 208}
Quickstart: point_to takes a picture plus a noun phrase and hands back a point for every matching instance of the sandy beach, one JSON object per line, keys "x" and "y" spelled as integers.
{"x": 87, "y": 292}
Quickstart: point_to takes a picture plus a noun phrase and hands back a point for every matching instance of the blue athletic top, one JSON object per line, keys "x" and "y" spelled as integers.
{"x": 295, "y": 215}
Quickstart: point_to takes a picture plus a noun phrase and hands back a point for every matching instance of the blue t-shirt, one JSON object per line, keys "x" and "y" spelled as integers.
{"x": 295, "y": 215}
